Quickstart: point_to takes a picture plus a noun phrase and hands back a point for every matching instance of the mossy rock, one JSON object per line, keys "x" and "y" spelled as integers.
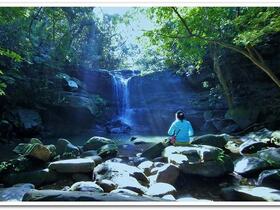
{"x": 108, "y": 150}
{"x": 96, "y": 142}
{"x": 34, "y": 149}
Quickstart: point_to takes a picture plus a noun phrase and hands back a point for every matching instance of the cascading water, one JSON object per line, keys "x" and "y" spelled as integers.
{"x": 121, "y": 79}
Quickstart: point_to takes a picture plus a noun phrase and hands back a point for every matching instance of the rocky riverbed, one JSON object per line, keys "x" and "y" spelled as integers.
{"x": 211, "y": 168}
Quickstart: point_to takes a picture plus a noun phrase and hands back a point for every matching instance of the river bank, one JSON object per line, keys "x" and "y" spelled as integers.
{"x": 212, "y": 168}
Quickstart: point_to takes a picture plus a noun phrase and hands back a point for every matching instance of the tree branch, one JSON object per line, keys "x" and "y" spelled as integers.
{"x": 183, "y": 21}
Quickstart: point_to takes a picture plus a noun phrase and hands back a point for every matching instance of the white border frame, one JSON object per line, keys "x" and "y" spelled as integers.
{"x": 139, "y": 3}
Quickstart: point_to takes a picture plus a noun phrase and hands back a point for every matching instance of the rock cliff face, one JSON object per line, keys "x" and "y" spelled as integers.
{"x": 154, "y": 99}
{"x": 67, "y": 103}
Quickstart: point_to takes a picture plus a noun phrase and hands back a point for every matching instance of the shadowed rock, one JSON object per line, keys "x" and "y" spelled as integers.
{"x": 15, "y": 193}
{"x": 249, "y": 193}
{"x": 81, "y": 165}
{"x": 59, "y": 195}
{"x": 250, "y": 166}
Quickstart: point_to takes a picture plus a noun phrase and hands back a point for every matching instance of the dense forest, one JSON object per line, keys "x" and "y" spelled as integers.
{"x": 87, "y": 96}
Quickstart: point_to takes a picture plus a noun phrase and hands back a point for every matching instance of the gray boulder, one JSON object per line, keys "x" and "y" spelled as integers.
{"x": 65, "y": 146}
{"x": 146, "y": 166}
{"x": 107, "y": 185}
{"x": 97, "y": 159}
{"x": 250, "y": 193}
{"x": 81, "y": 165}
{"x": 129, "y": 183}
{"x": 160, "y": 190}
{"x": 124, "y": 191}
{"x": 59, "y": 195}
{"x": 86, "y": 186}
{"x": 96, "y": 142}
{"x": 37, "y": 178}
{"x": 167, "y": 173}
{"x": 269, "y": 178}
{"x": 15, "y": 193}
{"x": 271, "y": 156}
{"x": 251, "y": 146}
{"x": 79, "y": 177}
{"x": 200, "y": 160}
{"x": 34, "y": 149}
{"x": 110, "y": 170}
{"x": 250, "y": 166}
{"x": 211, "y": 140}
{"x": 108, "y": 150}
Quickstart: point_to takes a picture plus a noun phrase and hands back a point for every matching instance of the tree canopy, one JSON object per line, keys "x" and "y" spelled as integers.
{"x": 188, "y": 32}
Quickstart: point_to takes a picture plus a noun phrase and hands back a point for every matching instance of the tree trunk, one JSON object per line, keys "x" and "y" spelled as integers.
{"x": 256, "y": 58}
{"x": 222, "y": 80}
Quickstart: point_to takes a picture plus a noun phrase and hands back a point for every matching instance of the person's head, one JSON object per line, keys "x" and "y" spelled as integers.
{"x": 180, "y": 115}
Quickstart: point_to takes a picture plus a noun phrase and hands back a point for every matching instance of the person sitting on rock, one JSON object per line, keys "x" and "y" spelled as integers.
{"x": 181, "y": 130}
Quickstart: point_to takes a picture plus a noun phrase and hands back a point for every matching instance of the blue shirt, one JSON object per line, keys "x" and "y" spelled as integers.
{"x": 182, "y": 130}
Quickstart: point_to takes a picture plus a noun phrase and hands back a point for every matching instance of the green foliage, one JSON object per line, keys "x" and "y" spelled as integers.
{"x": 254, "y": 24}
{"x": 235, "y": 26}
{"x": 10, "y": 54}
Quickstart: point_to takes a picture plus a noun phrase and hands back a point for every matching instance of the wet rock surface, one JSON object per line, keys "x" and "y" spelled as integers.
{"x": 58, "y": 195}
{"x": 80, "y": 165}
{"x": 15, "y": 193}
{"x": 250, "y": 166}
{"x": 196, "y": 172}
{"x": 202, "y": 160}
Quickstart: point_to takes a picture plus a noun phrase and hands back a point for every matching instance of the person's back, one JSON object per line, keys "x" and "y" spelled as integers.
{"x": 181, "y": 128}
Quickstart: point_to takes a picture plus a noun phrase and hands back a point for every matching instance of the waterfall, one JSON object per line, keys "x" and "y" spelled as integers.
{"x": 120, "y": 83}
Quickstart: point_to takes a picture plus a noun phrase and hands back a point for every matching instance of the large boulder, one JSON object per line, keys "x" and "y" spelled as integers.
{"x": 37, "y": 177}
{"x": 125, "y": 176}
{"x": 108, "y": 150}
{"x": 34, "y": 149}
{"x": 15, "y": 193}
{"x": 146, "y": 166}
{"x": 200, "y": 160}
{"x": 211, "y": 140}
{"x": 107, "y": 185}
{"x": 129, "y": 183}
{"x": 96, "y": 142}
{"x": 250, "y": 193}
{"x": 59, "y": 195}
{"x": 124, "y": 191}
{"x": 80, "y": 165}
{"x": 167, "y": 173}
{"x": 160, "y": 190}
{"x": 86, "y": 187}
{"x": 269, "y": 178}
{"x": 250, "y": 166}
{"x": 154, "y": 151}
{"x": 251, "y": 146}
{"x": 65, "y": 146}
{"x": 271, "y": 156}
